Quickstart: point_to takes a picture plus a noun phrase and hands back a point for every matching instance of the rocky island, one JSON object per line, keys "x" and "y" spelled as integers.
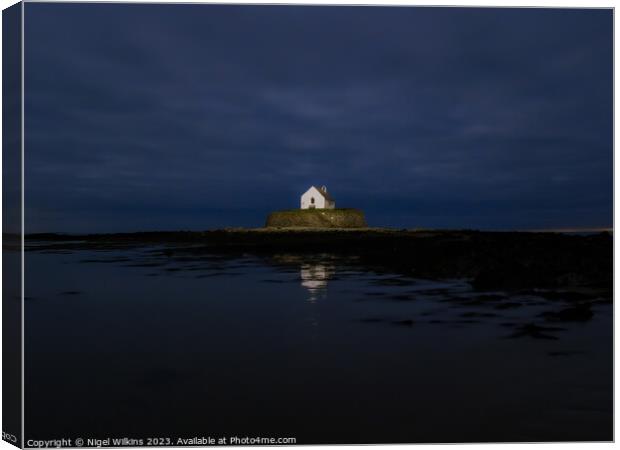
{"x": 317, "y": 218}
{"x": 317, "y": 211}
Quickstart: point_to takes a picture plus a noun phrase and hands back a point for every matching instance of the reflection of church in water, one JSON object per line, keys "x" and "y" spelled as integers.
{"x": 314, "y": 278}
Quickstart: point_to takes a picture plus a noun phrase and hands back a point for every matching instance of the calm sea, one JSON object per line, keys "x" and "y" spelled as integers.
{"x": 153, "y": 343}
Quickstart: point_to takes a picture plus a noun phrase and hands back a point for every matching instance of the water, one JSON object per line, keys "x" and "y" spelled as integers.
{"x": 147, "y": 342}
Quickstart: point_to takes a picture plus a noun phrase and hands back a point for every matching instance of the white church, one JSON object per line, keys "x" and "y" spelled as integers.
{"x": 315, "y": 198}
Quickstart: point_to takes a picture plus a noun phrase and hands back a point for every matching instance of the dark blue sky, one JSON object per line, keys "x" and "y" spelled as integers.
{"x": 200, "y": 116}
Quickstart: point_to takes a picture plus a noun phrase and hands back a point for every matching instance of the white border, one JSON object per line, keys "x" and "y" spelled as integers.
{"x": 442, "y": 3}
{"x": 23, "y": 272}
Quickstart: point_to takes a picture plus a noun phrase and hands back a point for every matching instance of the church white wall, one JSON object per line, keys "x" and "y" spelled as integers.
{"x": 319, "y": 200}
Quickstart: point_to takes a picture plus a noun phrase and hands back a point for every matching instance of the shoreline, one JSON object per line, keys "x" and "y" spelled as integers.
{"x": 489, "y": 260}
{"x": 295, "y": 229}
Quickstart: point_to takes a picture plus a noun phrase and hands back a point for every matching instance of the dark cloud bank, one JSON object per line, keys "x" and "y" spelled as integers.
{"x": 195, "y": 116}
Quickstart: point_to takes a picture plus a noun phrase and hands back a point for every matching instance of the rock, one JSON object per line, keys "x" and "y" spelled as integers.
{"x": 477, "y": 314}
{"x": 404, "y": 323}
{"x": 579, "y": 313}
{"x": 508, "y": 305}
{"x": 507, "y": 275}
{"x": 534, "y": 331}
{"x": 568, "y": 296}
{"x": 317, "y": 218}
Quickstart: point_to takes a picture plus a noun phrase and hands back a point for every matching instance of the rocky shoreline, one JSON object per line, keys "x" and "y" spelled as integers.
{"x": 489, "y": 260}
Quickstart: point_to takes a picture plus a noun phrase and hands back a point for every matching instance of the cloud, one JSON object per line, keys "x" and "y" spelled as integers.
{"x": 212, "y": 115}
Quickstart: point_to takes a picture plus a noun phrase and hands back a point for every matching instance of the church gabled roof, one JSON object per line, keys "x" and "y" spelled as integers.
{"x": 324, "y": 193}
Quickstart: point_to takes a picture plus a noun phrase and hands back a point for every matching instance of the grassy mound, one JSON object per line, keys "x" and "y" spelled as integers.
{"x": 317, "y": 218}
